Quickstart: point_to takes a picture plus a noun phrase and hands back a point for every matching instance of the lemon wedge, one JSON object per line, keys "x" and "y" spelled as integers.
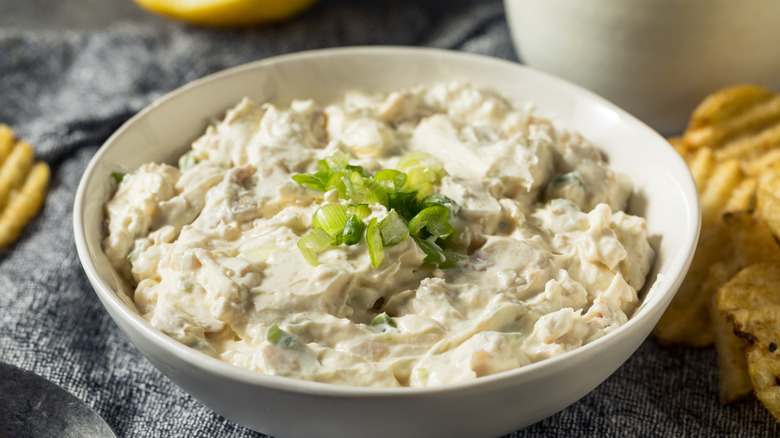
{"x": 227, "y": 13}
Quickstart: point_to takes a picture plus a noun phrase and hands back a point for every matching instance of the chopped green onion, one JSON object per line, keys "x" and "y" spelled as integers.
{"x": 185, "y": 285}
{"x": 393, "y": 229}
{"x": 419, "y": 176}
{"x": 418, "y": 160}
{"x": 337, "y": 160}
{"x": 382, "y": 323}
{"x": 331, "y": 218}
{"x": 187, "y": 161}
{"x": 280, "y": 338}
{"x": 358, "y": 169}
{"x": 395, "y": 178}
{"x": 369, "y": 190}
{"x": 422, "y": 190}
{"x": 406, "y": 192}
{"x": 405, "y": 203}
{"x": 438, "y": 198}
{"x": 437, "y": 256}
{"x": 353, "y": 230}
{"x": 117, "y": 176}
{"x": 420, "y": 169}
{"x": 310, "y": 181}
{"x": 362, "y": 211}
{"x": 313, "y": 242}
{"x": 374, "y": 243}
{"x": 451, "y": 258}
{"x": 340, "y": 182}
{"x": 568, "y": 177}
{"x": 433, "y": 252}
{"x": 433, "y": 220}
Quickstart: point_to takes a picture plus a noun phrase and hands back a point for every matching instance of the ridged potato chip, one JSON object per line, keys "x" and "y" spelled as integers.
{"x": 25, "y": 204}
{"x": 751, "y": 242}
{"x": 733, "y": 137}
{"x": 733, "y": 378}
{"x": 739, "y": 240}
{"x": 739, "y": 123}
{"x": 768, "y": 198}
{"x": 725, "y": 104}
{"x": 751, "y": 301}
{"x": 23, "y": 185}
{"x": 731, "y": 295}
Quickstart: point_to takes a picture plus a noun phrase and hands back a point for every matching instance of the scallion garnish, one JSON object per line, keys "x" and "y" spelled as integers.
{"x": 422, "y": 172}
{"x": 568, "y": 177}
{"x": 312, "y": 181}
{"x": 374, "y": 243}
{"x": 187, "y": 161}
{"x": 280, "y": 338}
{"x": 313, "y": 242}
{"x": 353, "y": 230}
{"x": 383, "y": 323}
{"x": 433, "y": 252}
{"x": 331, "y": 218}
{"x": 394, "y": 178}
{"x": 117, "y": 176}
{"x": 405, "y": 203}
{"x": 439, "y": 199}
{"x": 393, "y": 229}
{"x": 406, "y": 194}
{"x": 432, "y": 220}
{"x": 361, "y": 211}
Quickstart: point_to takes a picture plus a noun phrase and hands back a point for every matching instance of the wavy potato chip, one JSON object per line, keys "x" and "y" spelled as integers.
{"x": 14, "y": 170}
{"x": 751, "y": 301}
{"x": 768, "y": 198}
{"x": 724, "y": 104}
{"x": 751, "y": 241}
{"x": 731, "y": 294}
{"x": 733, "y": 136}
{"x": 23, "y": 185}
{"x": 733, "y": 378}
{"x": 26, "y": 203}
{"x": 739, "y": 123}
{"x": 741, "y": 112}
{"x": 739, "y": 240}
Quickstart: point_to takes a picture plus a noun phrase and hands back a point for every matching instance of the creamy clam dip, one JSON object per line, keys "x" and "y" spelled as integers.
{"x": 544, "y": 257}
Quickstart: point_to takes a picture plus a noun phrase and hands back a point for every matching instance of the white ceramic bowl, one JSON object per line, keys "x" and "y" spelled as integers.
{"x": 488, "y": 406}
{"x": 656, "y": 59}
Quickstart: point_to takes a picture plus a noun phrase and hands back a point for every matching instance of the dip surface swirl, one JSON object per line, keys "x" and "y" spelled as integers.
{"x": 549, "y": 260}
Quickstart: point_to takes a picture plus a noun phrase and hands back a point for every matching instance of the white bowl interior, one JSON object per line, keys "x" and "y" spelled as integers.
{"x": 665, "y": 195}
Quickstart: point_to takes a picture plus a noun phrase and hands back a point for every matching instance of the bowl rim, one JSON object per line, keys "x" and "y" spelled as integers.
{"x": 678, "y": 265}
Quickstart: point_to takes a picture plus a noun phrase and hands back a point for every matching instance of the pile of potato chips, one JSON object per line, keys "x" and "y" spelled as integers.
{"x": 731, "y": 295}
{"x": 23, "y": 185}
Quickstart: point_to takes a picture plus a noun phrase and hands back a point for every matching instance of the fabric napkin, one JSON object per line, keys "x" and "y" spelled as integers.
{"x": 66, "y": 91}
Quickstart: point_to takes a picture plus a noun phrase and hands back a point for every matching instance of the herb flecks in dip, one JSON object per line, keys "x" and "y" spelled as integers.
{"x": 542, "y": 257}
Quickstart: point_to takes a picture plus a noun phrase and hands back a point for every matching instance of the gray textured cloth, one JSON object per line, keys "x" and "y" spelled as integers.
{"x": 67, "y": 91}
